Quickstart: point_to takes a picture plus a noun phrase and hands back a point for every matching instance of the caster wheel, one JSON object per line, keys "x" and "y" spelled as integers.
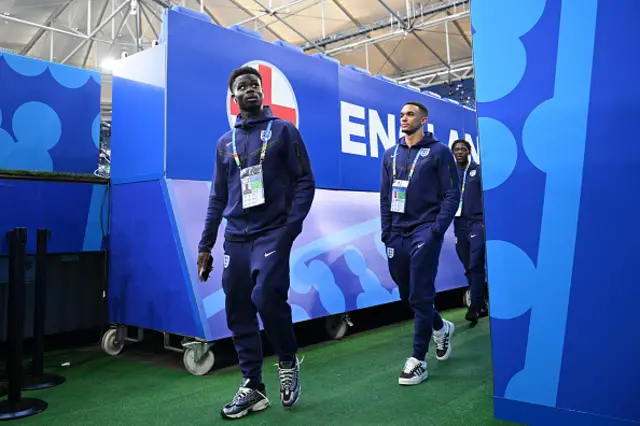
{"x": 336, "y": 327}
{"x": 198, "y": 367}
{"x": 109, "y": 343}
{"x": 466, "y": 298}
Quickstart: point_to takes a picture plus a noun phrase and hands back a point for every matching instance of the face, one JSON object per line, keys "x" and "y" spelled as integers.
{"x": 247, "y": 91}
{"x": 461, "y": 152}
{"x": 411, "y": 118}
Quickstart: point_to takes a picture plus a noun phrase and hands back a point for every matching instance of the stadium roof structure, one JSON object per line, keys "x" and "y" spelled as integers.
{"x": 421, "y": 43}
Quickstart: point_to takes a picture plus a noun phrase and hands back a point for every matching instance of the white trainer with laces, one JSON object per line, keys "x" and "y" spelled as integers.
{"x": 414, "y": 372}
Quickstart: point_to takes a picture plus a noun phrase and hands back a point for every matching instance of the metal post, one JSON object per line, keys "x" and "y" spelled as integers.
{"x": 113, "y": 22}
{"x": 38, "y": 380}
{"x": 51, "y": 35}
{"x": 324, "y": 34}
{"x": 446, "y": 40}
{"x": 138, "y": 29}
{"x": 88, "y": 16}
{"x": 16, "y": 407}
{"x": 366, "y": 56}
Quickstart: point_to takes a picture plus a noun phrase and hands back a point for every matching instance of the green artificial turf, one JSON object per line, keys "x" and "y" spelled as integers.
{"x": 348, "y": 382}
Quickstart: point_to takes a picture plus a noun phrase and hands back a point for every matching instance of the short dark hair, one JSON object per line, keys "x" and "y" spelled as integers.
{"x": 242, "y": 71}
{"x": 420, "y": 106}
{"x": 462, "y": 141}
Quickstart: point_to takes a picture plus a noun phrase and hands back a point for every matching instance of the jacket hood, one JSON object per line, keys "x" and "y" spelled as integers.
{"x": 427, "y": 139}
{"x": 265, "y": 115}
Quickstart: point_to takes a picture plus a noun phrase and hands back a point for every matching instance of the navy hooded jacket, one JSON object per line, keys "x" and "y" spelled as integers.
{"x": 472, "y": 207}
{"x": 434, "y": 190}
{"x": 289, "y": 184}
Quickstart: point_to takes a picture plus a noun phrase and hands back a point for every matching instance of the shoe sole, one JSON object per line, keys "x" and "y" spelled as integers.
{"x": 452, "y": 329}
{"x": 260, "y": 406}
{"x": 412, "y": 381}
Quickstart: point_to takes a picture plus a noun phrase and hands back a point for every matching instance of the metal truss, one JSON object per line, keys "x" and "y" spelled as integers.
{"x": 131, "y": 13}
{"x": 121, "y": 25}
{"x": 436, "y": 75}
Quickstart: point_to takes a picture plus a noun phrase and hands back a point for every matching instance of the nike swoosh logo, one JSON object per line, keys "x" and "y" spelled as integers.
{"x": 420, "y": 245}
{"x": 473, "y": 235}
{"x": 269, "y": 254}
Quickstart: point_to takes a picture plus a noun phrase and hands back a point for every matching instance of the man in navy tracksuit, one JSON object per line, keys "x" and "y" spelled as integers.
{"x": 264, "y": 186}
{"x": 469, "y": 229}
{"x": 419, "y": 195}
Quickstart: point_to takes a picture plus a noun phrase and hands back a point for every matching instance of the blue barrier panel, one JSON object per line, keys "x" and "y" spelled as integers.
{"x": 63, "y": 101}
{"x": 76, "y": 213}
{"x": 338, "y": 263}
{"x": 560, "y": 222}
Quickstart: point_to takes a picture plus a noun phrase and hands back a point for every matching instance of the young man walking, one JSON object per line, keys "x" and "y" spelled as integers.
{"x": 469, "y": 229}
{"x": 419, "y": 195}
{"x": 264, "y": 186}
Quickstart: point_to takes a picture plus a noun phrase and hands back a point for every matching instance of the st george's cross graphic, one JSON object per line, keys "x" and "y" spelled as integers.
{"x": 278, "y": 94}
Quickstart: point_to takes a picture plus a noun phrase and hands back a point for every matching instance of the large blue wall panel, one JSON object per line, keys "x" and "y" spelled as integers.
{"x": 49, "y": 116}
{"x": 561, "y": 246}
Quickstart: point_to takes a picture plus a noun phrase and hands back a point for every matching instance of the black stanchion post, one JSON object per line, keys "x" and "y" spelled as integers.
{"x": 38, "y": 379}
{"x": 16, "y": 407}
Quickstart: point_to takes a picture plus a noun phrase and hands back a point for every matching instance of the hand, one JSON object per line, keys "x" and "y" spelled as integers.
{"x": 205, "y": 265}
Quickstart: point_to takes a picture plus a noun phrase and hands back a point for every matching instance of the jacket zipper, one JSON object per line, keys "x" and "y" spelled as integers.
{"x": 246, "y": 212}
{"x": 406, "y": 167}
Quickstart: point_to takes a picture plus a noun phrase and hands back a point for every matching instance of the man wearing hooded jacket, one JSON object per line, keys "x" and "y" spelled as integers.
{"x": 419, "y": 195}
{"x": 469, "y": 229}
{"x": 264, "y": 186}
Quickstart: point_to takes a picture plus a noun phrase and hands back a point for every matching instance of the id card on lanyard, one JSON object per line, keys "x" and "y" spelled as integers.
{"x": 464, "y": 184}
{"x": 251, "y": 179}
{"x": 399, "y": 186}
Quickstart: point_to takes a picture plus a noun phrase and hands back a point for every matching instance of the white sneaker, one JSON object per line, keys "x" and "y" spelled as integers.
{"x": 414, "y": 372}
{"x": 442, "y": 339}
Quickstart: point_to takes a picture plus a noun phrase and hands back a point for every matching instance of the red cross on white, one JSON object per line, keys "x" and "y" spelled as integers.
{"x": 278, "y": 94}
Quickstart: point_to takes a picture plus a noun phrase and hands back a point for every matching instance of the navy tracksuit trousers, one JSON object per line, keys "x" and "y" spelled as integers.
{"x": 471, "y": 248}
{"x": 256, "y": 280}
{"x": 413, "y": 264}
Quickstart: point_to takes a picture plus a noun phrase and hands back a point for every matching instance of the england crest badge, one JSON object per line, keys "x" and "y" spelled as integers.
{"x": 265, "y": 135}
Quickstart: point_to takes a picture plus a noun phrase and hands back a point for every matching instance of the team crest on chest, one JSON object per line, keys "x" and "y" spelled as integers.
{"x": 390, "y": 252}
{"x": 425, "y": 152}
{"x": 226, "y": 260}
{"x": 265, "y": 135}
{"x": 472, "y": 173}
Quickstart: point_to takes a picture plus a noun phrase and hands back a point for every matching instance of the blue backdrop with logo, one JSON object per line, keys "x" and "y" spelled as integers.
{"x": 162, "y": 163}
{"x": 50, "y": 122}
{"x": 49, "y": 116}
{"x": 562, "y": 240}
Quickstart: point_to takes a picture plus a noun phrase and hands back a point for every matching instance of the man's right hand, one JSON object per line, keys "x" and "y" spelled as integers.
{"x": 205, "y": 265}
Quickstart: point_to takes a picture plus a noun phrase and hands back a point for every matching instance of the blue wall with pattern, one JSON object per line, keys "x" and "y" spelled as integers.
{"x": 49, "y": 116}
{"x": 561, "y": 224}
